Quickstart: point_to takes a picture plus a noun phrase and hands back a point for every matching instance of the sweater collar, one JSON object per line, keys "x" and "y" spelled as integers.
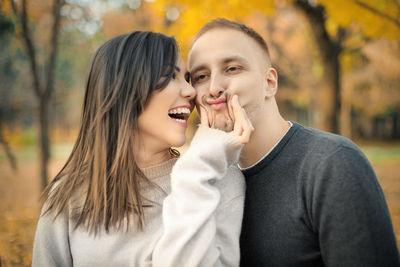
{"x": 159, "y": 170}
{"x": 273, "y": 153}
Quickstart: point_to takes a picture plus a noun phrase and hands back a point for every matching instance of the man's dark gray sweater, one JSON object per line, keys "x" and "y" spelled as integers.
{"x": 315, "y": 201}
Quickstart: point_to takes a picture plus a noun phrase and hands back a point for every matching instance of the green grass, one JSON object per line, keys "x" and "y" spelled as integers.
{"x": 59, "y": 150}
{"x": 384, "y": 152}
{"x": 375, "y": 152}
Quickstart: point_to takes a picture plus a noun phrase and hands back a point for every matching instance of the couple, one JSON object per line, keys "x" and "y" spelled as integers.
{"x": 126, "y": 198}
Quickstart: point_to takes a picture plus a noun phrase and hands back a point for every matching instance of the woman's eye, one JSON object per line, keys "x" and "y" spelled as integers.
{"x": 173, "y": 76}
{"x": 187, "y": 77}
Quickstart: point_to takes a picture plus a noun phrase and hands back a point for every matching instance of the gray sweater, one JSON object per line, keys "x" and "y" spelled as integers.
{"x": 315, "y": 201}
{"x": 196, "y": 220}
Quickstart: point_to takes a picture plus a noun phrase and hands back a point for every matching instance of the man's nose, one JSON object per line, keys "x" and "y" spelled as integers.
{"x": 217, "y": 86}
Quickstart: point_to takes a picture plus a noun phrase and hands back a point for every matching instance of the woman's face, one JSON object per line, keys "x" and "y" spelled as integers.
{"x": 163, "y": 122}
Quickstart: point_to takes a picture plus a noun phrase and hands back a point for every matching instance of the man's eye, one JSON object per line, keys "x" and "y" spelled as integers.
{"x": 233, "y": 69}
{"x": 199, "y": 78}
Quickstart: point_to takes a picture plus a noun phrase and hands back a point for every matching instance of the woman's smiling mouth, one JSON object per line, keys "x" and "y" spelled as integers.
{"x": 179, "y": 114}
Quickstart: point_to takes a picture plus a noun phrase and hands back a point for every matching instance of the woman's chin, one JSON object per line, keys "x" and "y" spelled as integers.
{"x": 179, "y": 142}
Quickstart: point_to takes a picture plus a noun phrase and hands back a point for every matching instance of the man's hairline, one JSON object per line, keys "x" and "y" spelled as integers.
{"x": 222, "y": 27}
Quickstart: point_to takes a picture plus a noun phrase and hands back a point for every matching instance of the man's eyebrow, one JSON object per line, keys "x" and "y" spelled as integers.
{"x": 198, "y": 68}
{"x": 235, "y": 58}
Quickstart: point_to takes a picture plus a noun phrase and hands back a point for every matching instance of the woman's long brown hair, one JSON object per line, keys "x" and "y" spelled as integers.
{"x": 101, "y": 169}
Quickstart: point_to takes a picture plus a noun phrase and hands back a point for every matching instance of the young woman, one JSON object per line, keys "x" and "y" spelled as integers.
{"x": 124, "y": 197}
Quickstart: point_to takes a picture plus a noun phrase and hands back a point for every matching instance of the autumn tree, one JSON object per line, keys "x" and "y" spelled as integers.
{"x": 329, "y": 23}
{"x": 329, "y": 101}
{"x": 127, "y": 18}
{"x": 377, "y": 20}
{"x": 42, "y": 71}
{"x": 7, "y": 77}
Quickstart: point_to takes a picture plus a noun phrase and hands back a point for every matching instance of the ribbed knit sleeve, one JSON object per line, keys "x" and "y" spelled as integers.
{"x": 51, "y": 246}
{"x": 202, "y": 216}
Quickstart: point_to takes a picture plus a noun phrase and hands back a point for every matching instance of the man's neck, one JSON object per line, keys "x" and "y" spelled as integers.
{"x": 266, "y": 134}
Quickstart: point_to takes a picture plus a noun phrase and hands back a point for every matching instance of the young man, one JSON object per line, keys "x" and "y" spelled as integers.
{"x": 312, "y": 198}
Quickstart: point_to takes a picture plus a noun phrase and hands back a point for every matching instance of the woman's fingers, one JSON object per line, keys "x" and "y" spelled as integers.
{"x": 247, "y": 128}
{"x": 243, "y": 127}
{"x": 237, "y": 127}
{"x": 230, "y": 109}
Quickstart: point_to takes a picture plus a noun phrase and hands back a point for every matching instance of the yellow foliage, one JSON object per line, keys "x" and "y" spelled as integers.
{"x": 38, "y": 9}
{"x": 16, "y": 240}
{"x": 347, "y": 12}
{"x": 373, "y": 86}
{"x": 5, "y": 7}
{"x": 343, "y": 13}
{"x": 194, "y": 14}
{"x": 149, "y": 16}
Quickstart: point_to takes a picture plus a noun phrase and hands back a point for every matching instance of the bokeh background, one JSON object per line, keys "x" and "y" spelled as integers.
{"x": 338, "y": 63}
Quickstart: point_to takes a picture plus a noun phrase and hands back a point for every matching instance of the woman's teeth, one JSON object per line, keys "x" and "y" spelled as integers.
{"x": 180, "y": 120}
{"x": 179, "y": 114}
{"x": 179, "y": 111}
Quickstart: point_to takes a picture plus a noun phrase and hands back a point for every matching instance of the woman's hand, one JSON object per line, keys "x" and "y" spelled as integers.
{"x": 242, "y": 127}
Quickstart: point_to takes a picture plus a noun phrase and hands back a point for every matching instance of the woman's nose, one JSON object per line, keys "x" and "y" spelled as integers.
{"x": 188, "y": 91}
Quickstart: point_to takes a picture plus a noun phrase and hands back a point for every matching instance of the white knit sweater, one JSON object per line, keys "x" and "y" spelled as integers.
{"x": 196, "y": 223}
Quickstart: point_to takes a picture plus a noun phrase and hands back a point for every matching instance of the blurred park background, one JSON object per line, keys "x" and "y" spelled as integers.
{"x": 338, "y": 63}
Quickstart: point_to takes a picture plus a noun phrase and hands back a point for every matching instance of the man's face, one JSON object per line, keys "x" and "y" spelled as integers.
{"x": 225, "y": 62}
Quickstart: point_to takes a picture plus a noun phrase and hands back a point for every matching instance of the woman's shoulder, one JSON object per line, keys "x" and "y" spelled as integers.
{"x": 57, "y": 194}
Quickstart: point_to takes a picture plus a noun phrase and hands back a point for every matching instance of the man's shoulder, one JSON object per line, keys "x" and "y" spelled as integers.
{"x": 324, "y": 143}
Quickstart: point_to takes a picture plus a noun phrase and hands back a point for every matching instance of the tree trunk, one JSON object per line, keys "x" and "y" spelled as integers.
{"x": 395, "y": 125}
{"x": 44, "y": 144}
{"x": 9, "y": 154}
{"x": 328, "y": 96}
{"x": 43, "y": 88}
{"x": 345, "y": 118}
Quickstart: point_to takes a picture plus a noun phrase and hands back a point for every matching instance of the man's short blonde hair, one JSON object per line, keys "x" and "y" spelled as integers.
{"x": 228, "y": 24}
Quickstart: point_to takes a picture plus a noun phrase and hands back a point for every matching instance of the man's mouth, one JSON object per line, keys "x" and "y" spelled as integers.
{"x": 179, "y": 114}
{"x": 218, "y": 113}
{"x": 217, "y": 104}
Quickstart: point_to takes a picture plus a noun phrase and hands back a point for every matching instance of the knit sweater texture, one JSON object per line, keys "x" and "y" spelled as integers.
{"x": 315, "y": 201}
{"x": 195, "y": 219}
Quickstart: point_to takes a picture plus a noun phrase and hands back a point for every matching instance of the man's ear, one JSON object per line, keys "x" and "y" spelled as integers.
{"x": 272, "y": 83}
